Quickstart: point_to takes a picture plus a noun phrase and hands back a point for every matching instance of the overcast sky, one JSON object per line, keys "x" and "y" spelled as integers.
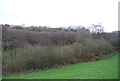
{"x": 58, "y": 13}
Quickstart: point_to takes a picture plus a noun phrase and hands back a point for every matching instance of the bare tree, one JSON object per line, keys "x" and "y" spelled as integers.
{"x": 97, "y": 29}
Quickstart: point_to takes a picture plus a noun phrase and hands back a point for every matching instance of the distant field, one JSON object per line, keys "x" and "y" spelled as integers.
{"x": 104, "y": 69}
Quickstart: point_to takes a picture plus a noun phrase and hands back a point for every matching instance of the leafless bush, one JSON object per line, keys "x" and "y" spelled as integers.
{"x": 37, "y": 57}
{"x": 41, "y": 50}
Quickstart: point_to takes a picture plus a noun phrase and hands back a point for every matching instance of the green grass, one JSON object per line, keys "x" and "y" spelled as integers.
{"x": 104, "y": 69}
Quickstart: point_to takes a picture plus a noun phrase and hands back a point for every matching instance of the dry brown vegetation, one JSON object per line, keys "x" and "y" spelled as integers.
{"x": 25, "y": 49}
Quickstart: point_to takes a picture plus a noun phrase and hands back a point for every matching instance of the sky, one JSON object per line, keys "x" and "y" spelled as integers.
{"x": 60, "y": 13}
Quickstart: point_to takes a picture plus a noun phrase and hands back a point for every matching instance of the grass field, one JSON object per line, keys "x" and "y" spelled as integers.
{"x": 104, "y": 69}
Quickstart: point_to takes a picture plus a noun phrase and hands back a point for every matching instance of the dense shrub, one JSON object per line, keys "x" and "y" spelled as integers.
{"x": 43, "y": 57}
{"x": 89, "y": 48}
{"x": 30, "y": 50}
{"x": 113, "y": 39}
{"x": 37, "y": 57}
{"x": 20, "y": 38}
{"x": 63, "y": 38}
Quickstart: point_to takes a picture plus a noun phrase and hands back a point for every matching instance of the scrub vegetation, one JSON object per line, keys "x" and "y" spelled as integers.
{"x": 27, "y": 49}
{"x": 105, "y": 69}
